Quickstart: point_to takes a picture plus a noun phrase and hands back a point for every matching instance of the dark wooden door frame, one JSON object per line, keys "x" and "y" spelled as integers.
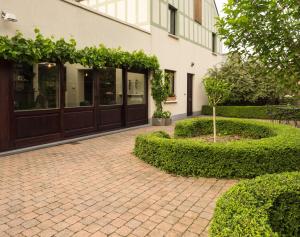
{"x": 15, "y": 119}
{"x": 142, "y": 107}
{"x": 6, "y": 106}
{"x": 190, "y": 94}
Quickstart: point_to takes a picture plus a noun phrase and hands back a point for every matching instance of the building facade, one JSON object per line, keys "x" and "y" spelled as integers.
{"x": 45, "y": 102}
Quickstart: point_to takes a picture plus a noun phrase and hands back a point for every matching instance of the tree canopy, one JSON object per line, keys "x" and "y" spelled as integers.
{"x": 268, "y": 29}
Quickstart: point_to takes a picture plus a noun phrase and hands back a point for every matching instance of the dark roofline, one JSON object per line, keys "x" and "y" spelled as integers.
{"x": 216, "y": 7}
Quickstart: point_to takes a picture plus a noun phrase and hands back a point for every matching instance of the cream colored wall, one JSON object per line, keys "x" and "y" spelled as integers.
{"x": 187, "y": 28}
{"x": 62, "y": 19}
{"x": 135, "y": 12}
{"x": 178, "y": 55}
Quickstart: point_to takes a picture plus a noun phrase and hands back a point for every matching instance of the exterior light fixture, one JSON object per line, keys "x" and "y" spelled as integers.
{"x": 6, "y": 16}
{"x": 192, "y": 64}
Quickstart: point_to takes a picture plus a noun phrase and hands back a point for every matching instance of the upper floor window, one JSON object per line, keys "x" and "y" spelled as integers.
{"x": 214, "y": 43}
{"x": 198, "y": 11}
{"x": 172, "y": 20}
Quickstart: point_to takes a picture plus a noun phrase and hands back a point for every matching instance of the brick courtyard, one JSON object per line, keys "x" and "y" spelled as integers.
{"x": 97, "y": 187}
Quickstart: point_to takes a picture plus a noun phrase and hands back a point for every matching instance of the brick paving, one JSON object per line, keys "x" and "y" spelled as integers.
{"x": 98, "y": 188}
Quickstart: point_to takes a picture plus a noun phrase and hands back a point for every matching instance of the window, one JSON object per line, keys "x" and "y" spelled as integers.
{"x": 136, "y": 88}
{"x": 198, "y": 11}
{"x": 214, "y": 42}
{"x": 172, "y": 20}
{"x": 111, "y": 86}
{"x": 79, "y": 86}
{"x": 36, "y": 86}
{"x": 171, "y": 75}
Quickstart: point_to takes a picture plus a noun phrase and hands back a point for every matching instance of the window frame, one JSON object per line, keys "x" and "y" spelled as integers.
{"x": 172, "y": 88}
{"x": 214, "y": 43}
{"x": 172, "y": 19}
{"x": 37, "y": 65}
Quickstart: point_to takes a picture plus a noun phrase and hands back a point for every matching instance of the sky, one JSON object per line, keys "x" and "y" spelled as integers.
{"x": 220, "y": 4}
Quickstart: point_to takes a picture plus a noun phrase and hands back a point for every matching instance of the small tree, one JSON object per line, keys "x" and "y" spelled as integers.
{"x": 160, "y": 91}
{"x": 217, "y": 92}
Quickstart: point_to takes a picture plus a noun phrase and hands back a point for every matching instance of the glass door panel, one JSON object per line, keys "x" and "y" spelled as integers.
{"x": 135, "y": 88}
{"x": 111, "y": 87}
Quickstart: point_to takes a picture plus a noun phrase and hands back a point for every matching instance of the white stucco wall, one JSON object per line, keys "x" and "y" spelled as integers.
{"x": 62, "y": 19}
{"x": 178, "y": 55}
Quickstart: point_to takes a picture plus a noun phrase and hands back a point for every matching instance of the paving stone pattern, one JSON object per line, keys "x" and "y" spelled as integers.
{"x": 98, "y": 188}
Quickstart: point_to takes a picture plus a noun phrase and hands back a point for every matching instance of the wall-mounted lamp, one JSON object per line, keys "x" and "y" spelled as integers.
{"x": 192, "y": 64}
{"x": 8, "y": 16}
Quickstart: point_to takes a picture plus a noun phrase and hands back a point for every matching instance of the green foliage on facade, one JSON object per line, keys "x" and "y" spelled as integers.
{"x": 160, "y": 88}
{"x": 268, "y": 30}
{"x": 273, "y": 149}
{"x": 265, "y": 206}
{"x": 40, "y": 49}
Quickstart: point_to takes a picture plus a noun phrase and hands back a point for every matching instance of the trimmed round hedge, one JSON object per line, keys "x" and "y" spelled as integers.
{"x": 274, "y": 149}
{"x": 265, "y": 206}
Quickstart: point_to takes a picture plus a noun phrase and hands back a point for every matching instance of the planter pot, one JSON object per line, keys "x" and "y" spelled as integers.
{"x": 161, "y": 121}
{"x": 168, "y": 121}
{"x": 158, "y": 122}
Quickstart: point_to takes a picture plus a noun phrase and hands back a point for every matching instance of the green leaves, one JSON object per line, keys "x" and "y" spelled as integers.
{"x": 217, "y": 90}
{"x": 268, "y": 30}
{"x": 23, "y": 50}
{"x": 275, "y": 149}
{"x": 264, "y": 206}
{"x": 160, "y": 87}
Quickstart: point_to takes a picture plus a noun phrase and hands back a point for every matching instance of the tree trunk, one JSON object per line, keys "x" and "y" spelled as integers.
{"x": 214, "y": 122}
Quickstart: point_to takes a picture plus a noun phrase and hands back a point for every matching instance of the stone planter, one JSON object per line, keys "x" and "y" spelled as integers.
{"x": 168, "y": 121}
{"x": 161, "y": 121}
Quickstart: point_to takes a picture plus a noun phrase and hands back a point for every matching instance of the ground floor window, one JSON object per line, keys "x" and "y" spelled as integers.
{"x": 79, "y": 86}
{"x": 36, "y": 86}
{"x": 111, "y": 86}
{"x": 171, "y": 75}
{"x": 136, "y": 88}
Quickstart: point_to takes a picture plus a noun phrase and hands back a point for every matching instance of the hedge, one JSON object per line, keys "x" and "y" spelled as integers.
{"x": 278, "y": 150}
{"x": 258, "y": 112}
{"x": 265, "y": 206}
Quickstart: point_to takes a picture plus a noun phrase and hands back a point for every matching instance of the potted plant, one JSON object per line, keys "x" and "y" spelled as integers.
{"x": 160, "y": 91}
{"x": 161, "y": 118}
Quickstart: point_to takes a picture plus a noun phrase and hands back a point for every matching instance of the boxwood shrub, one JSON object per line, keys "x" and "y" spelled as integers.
{"x": 277, "y": 150}
{"x": 258, "y": 112}
{"x": 265, "y": 206}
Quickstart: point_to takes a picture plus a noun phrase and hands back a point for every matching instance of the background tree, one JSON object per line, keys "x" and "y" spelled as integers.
{"x": 268, "y": 29}
{"x": 217, "y": 91}
{"x": 250, "y": 82}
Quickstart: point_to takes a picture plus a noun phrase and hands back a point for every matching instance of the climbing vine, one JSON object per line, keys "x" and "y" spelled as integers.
{"x": 25, "y": 50}
{"x": 47, "y": 49}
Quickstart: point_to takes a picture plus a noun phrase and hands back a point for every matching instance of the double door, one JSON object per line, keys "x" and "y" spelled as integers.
{"x": 120, "y": 100}
{"x": 51, "y": 102}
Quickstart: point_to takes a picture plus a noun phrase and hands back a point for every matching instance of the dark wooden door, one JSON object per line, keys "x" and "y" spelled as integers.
{"x": 5, "y": 105}
{"x": 190, "y": 94}
{"x": 110, "y": 99}
{"x": 136, "y": 109}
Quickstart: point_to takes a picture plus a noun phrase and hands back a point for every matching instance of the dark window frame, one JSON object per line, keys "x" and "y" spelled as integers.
{"x": 172, "y": 84}
{"x": 172, "y": 19}
{"x": 214, "y": 42}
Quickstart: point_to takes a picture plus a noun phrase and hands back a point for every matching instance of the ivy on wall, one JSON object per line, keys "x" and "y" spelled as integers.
{"x": 24, "y": 50}
{"x": 46, "y": 49}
